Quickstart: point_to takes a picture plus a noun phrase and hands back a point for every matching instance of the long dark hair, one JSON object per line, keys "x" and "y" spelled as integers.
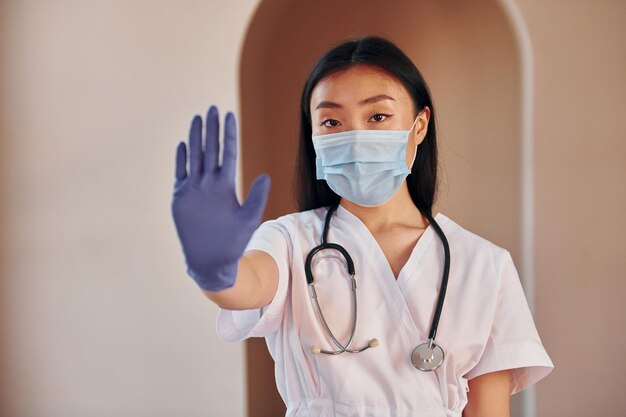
{"x": 382, "y": 53}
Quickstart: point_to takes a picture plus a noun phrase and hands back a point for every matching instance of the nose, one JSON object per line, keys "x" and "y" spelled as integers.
{"x": 358, "y": 126}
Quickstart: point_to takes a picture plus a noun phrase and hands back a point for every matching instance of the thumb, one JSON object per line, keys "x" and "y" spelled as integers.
{"x": 254, "y": 206}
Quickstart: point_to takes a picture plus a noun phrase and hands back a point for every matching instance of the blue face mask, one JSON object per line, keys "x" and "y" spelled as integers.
{"x": 364, "y": 166}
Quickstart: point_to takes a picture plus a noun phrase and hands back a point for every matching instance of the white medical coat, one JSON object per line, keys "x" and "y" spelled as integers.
{"x": 485, "y": 324}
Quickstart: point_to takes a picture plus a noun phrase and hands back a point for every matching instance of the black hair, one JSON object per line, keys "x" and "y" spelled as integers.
{"x": 381, "y": 53}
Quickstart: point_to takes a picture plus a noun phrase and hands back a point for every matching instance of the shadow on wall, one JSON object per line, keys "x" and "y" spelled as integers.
{"x": 467, "y": 53}
{"x": 4, "y": 152}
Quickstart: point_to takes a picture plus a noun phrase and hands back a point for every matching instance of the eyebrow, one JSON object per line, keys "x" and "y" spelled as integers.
{"x": 331, "y": 105}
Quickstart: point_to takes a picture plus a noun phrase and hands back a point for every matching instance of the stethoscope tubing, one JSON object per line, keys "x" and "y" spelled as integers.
{"x": 319, "y": 314}
{"x": 444, "y": 281}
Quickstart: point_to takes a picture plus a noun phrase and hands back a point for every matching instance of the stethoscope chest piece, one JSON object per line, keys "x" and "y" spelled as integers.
{"x": 427, "y": 356}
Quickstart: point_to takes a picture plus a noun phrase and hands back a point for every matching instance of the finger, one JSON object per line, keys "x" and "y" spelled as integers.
{"x": 212, "y": 145}
{"x": 254, "y": 206}
{"x": 229, "y": 159}
{"x": 181, "y": 161}
{"x": 195, "y": 147}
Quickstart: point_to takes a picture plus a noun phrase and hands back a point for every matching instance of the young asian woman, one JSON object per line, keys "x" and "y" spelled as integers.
{"x": 367, "y": 180}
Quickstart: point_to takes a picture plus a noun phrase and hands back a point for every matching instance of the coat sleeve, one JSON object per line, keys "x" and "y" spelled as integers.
{"x": 271, "y": 237}
{"x": 513, "y": 342}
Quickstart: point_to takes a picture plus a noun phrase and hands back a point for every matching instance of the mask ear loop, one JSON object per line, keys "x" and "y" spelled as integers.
{"x": 414, "y": 154}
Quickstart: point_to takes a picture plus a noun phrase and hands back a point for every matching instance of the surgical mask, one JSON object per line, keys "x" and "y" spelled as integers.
{"x": 364, "y": 166}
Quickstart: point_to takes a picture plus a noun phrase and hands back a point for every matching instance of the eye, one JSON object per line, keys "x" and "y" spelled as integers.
{"x": 378, "y": 116}
{"x": 333, "y": 123}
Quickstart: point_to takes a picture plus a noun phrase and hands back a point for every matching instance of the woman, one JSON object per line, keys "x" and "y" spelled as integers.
{"x": 367, "y": 172}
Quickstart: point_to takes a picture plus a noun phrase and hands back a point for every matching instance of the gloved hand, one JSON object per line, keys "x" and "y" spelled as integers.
{"x": 212, "y": 226}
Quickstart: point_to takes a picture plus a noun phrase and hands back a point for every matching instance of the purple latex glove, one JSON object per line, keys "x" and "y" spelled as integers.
{"x": 212, "y": 226}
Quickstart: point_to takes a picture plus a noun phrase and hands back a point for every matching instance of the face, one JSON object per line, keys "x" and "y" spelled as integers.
{"x": 364, "y": 97}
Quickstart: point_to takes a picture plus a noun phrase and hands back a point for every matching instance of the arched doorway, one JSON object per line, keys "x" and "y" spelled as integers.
{"x": 467, "y": 53}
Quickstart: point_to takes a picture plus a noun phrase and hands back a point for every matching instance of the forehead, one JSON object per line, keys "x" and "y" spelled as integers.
{"x": 356, "y": 83}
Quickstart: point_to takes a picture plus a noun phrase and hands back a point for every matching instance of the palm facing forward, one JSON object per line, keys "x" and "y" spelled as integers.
{"x": 212, "y": 226}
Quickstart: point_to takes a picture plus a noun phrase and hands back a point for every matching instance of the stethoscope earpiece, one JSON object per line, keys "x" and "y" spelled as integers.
{"x": 316, "y": 350}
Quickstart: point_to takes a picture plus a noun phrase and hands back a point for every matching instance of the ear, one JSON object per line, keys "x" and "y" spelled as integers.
{"x": 421, "y": 127}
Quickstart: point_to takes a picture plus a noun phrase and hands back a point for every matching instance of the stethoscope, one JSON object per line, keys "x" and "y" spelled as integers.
{"x": 427, "y": 356}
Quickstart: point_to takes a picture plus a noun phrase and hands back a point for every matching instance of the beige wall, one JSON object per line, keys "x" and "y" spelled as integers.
{"x": 97, "y": 315}
{"x": 580, "y": 231}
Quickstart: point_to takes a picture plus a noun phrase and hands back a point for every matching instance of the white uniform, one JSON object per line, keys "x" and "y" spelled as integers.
{"x": 485, "y": 325}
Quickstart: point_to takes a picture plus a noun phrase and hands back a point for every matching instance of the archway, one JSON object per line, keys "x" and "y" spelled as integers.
{"x": 468, "y": 54}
